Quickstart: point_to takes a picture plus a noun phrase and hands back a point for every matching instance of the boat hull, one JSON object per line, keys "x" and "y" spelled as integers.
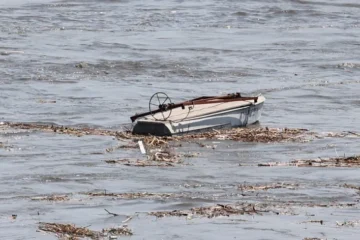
{"x": 236, "y": 117}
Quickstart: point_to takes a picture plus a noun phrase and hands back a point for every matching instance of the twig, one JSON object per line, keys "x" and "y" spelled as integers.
{"x": 114, "y": 214}
{"x": 128, "y": 219}
{"x": 354, "y": 133}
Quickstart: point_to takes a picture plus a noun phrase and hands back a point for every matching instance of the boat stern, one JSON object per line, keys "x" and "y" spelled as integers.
{"x": 156, "y": 128}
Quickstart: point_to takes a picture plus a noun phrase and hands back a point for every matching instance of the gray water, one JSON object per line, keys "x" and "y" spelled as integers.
{"x": 302, "y": 55}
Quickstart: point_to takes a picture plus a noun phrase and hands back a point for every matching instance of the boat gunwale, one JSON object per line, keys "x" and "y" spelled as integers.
{"x": 204, "y": 115}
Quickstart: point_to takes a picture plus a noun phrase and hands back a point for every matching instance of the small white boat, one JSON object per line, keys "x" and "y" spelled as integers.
{"x": 166, "y": 118}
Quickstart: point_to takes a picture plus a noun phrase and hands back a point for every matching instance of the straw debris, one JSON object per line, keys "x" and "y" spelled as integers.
{"x": 119, "y": 161}
{"x": 323, "y": 205}
{"x": 140, "y": 163}
{"x": 52, "y": 198}
{"x": 119, "y": 231}
{"x": 275, "y": 164}
{"x": 353, "y": 161}
{"x": 351, "y": 186}
{"x": 128, "y": 146}
{"x": 70, "y": 231}
{"x": 158, "y": 157}
{"x": 61, "y": 129}
{"x": 348, "y": 223}
{"x": 313, "y": 238}
{"x": 164, "y": 155}
{"x": 253, "y": 188}
{"x": 137, "y": 195}
{"x": 191, "y": 155}
{"x": 264, "y": 135}
{"x": 314, "y": 221}
{"x": 217, "y": 211}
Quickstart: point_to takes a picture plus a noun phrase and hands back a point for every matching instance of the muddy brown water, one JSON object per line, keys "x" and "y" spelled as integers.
{"x": 302, "y": 55}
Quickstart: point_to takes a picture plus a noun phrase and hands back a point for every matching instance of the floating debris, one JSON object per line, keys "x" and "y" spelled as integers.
{"x": 351, "y": 186}
{"x": 153, "y": 141}
{"x": 353, "y": 161}
{"x": 62, "y": 129}
{"x": 235, "y": 134}
{"x": 218, "y": 210}
{"x": 82, "y": 65}
{"x": 119, "y": 161}
{"x": 164, "y": 155}
{"x": 128, "y": 146}
{"x": 52, "y": 198}
{"x": 132, "y": 195}
{"x": 119, "y": 231}
{"x": 46, "y": 101}
{"x": 348, "y": 223}
{"x": 68, "y": 229}
{"x": 72, "y": 232}
{"x": 354, "y": 133}
{"x": 313, "y": 238}
{"x": 267, "y": 187}
{"x": 264, "y": 135}
{"x": 314, "y": 221}
{"x": 323, "y": 205}
{"x": 275, "y": 164}
{"x": 146, "y": 163}
{"x": 7, "y": 53}
{"x": 190, "y": 155}
{"x": 158, "y": 157}
{"x": 140, "y": 163}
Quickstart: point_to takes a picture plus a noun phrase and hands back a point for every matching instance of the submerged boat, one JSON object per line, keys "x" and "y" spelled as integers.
{"x": 165, "y": 118}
